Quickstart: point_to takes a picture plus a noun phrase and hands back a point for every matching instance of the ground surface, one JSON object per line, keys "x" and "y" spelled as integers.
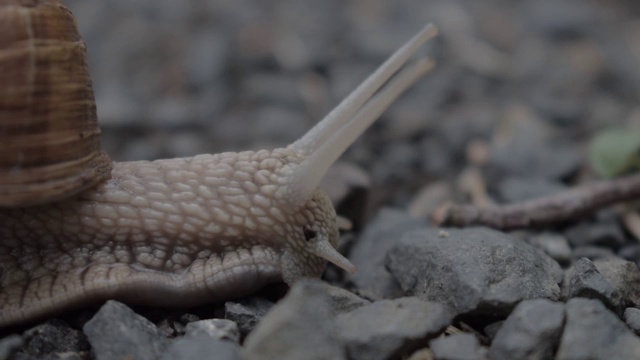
{"x": 519, "y": 89}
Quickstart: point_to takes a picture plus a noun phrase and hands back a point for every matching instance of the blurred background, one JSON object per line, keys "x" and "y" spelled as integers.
{"x": 519, "y": 88}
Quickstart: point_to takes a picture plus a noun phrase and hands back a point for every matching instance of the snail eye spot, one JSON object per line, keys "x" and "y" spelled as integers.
{"x": 309, "y": 234}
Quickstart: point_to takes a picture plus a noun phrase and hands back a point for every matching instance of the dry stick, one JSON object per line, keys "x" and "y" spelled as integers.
{"x": 544, "y": 211}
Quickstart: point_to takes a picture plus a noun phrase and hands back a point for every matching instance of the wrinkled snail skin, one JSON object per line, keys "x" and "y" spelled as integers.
{"x": 171, "y": 232}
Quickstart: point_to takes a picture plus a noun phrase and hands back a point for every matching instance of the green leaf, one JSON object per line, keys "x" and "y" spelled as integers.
{"x": 615, "y": 152}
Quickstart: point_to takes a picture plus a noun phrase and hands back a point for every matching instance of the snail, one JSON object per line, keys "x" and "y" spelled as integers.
{"x": 77, "y": 228}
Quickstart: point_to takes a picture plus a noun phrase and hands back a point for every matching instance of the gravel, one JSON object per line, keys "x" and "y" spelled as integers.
{"x": 528, "y": 83}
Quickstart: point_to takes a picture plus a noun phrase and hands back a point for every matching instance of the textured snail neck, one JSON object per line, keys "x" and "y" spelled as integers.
{"x": 178, "y": 232}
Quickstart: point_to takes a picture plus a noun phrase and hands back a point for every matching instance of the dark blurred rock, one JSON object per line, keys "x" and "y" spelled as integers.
{"x": 632, "y": 319}
{"x": 300, "y": 326}
{"x": 116, "y": 332}
{"x": 247, "y": 312}
{"x": 9, "y": 345}
{"x": 457, "y": 346}
{"x": 592, "y": 252}
{"x": 516, "y": 189}
{"x": 586, "y": 281}
{"x": 391, "y": 328}
{"x": 201, "y": 346}
{"x": 369, "y": 252}
{"x": 53, "y": 337}
{"x": 554, "y": 245}
{"x": 475, "y": 270}
{"x": 630, "y": 252}
{"x": 593, "y": 332}
{"x": 602, "y": 233}
{"x": 492, "y": 329}
{"x": 532, "y": 331}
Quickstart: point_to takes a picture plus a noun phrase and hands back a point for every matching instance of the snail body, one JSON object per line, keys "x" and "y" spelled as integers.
{"x": 170, "y": 232}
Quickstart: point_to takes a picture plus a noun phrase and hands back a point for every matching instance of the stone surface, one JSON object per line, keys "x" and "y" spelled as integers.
{"x": 457, "y": 346}
{"x": 624, "y": 276}
{"x": 369, "y": 252}
{"x": 220, "y": 329}
{"x": 246, "y": 313}
{"x": 532, "y": 331}
{"x": 9, "y": 345}
{"x": 201, "y": 346}
{"x": 591, "y": 331}
{"x": 475, "y": 270}
{"x": 632, "y": 319}
{"x": 554, "y": 245}
{"x": 389, "y": 329}
{"x": 607, "y": 233}
{"x": 116, "y": 332}
{"x": 53, "y": 337}
{"x": 586, "y": 281}
{"x": 300, "y": 326}
{"x": 341, "y": 300}
{"x": 517, "y": 189}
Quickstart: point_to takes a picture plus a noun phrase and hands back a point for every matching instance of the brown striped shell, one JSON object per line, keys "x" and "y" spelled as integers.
{"x": 49, "y": 134}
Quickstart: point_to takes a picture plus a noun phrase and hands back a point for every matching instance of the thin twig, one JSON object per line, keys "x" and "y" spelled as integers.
{"x": 545, "y": 211}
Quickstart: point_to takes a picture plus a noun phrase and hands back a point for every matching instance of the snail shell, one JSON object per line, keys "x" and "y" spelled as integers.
{"x": 50, "y": 139}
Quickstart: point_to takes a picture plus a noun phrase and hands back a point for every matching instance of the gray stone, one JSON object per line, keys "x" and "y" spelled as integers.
{"x": 606, "y": 233}
{"x": 300, "y": 326}
{"x": 554, "y": 245}
{"x": 202, "y": 346}
{"x": 475, "y": 270}
{"x": 247, "y": 312}
{"x": 9, "y": 345}
{"x": 624, "y": 276}
{"x": 591, "y": 331}
{"x": 532, "y": 331}
{"x": 341, "y": 300}
{"x": 369, "y": 252}
{"x": 518, "y": 189}
{"x": 220, "y": 329}
{"x": 116, "y": 332}
{"x": 586, "y": 281}
{"x": 389, "y": 329}
{"x": 492, "y": 329}
{"x": 456, "y": 347}
{"x": 53, "y": 337}
{"x": 592, "y": 252}
{"x": 632, "y": 319}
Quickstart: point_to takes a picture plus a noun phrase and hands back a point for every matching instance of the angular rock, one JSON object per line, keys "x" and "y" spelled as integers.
{"x": 202, "y": 346}
{"x": 300, "y": 326}
{"x": 475, "y": 270}
{"x": 53, "y": 337}
{"x": 532, "y": 331}
{"x": 587, "y": 282}
{"x": 9, "y": 345}
{"x": 591, "y": 331}
{"x": 116, "y": 332}
{"x": 389, "y": 329}
{"x": 554, "y": 245}
{"x": 369, "y": 252}
{"x": 492, "y": 329}
{"x": 632, "y": 319}
{"x": 457, "y": 346}
{"x": 624, "y": 276}
{"x": 220, "y": 329}
{"x": 606, "y": 232}
{"x": 341, "y": 300}
{"x": 247, "y": 312}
